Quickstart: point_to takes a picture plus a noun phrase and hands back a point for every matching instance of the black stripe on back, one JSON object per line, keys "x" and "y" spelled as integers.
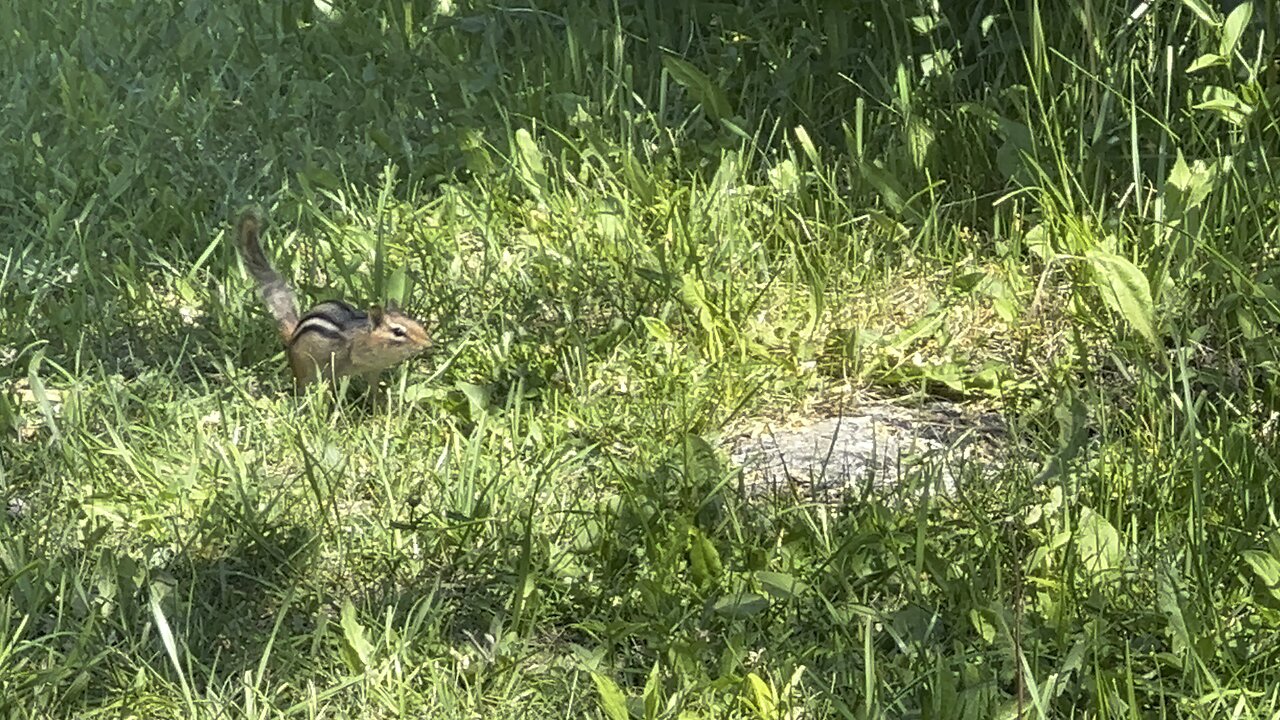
{"x": 338, "y": 322}
{"x": 336, "y": 312}
{"x": 320, "y": 325}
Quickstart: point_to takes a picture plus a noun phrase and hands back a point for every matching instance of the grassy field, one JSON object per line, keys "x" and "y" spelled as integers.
{"x": 634, "y": 227}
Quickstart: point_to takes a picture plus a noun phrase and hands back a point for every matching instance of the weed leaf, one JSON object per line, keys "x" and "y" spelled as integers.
{"x": 356, "y": 649}
{"x": 652, "y": 693}
{"x": 780, "y": 585}
{"x": 529, "y": 166}
{"x": 1267, "y": 568}
{"x": 1098, "y": 544}
{"x": 704, "y": 559}
{"x": 1207, "y": 60}
{"x": 657, "y": 330}
{"x": 612, "y": 701}
{"x": 1202, "y": 11}
{"x": 741, "y": 604}
{"x": 1126, "y": 290}
{"x": 761, "y": 698}
{"x": 1234, "y": 27}
{"x": 398, "y": 285}
{"x": 1225, "y": 103}
{"x": 1171, "y": 601}
{"x": 478, "y": 396}
{"x": 704, "y": 90}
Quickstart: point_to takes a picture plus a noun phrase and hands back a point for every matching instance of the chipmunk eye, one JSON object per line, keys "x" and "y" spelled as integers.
{"x": 398, "y": 331}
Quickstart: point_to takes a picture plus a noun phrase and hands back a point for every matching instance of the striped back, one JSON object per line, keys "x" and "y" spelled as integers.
{"x": 332, "y": 319}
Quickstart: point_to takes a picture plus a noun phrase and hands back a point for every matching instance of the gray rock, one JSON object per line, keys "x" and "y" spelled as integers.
{"x": 16, "y": 508}
{"x": 874, "y": 448}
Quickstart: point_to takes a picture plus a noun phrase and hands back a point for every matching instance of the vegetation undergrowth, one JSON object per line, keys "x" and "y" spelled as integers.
{"x": 634, "y": 226}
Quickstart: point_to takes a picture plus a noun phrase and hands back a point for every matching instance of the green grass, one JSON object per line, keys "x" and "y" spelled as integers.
{"x": 635, "y": 227}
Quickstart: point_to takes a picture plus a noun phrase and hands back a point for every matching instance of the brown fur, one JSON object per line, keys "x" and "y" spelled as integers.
{"x": 332, "y": 340}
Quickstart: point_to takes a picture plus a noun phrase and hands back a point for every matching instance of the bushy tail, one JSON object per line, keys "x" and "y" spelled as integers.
{"x": 275, "y": 292}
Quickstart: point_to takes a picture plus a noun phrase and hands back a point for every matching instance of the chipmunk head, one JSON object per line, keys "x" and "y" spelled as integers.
{"x": 393, "y": 338}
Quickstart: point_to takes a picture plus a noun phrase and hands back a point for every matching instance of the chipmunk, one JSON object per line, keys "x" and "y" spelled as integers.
{"x": 333, "y": 339}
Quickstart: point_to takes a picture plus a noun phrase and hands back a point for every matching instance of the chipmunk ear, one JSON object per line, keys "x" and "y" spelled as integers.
{"x": 376, "y": 314}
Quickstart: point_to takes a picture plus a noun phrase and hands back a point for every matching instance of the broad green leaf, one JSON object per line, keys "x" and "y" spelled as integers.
{"x": 1074, "y": 661}
{"x": 1004, "y": 299}
{"x": 475, "y": 153}
{"x": 1202, "y": 11}
{"x": 736, "y": 128}
{"x": 1247, "y": 320}
{"x": 1207, "y": 60}
{"x": 1225, "y": 103}
{"x": 1127, "y": 291}
{"x": 925, "y": 326}
{"x": 611, "y": 223}
{"x": 9, "y": 418}
{"x": 477, "y": 395}
{"x": 949, "y": 374}
{"x": 1015, "y": 157}
{"x": 1171, "y": 602}
{"x": 657, "y": 330}
{"x": 741, "y": 604}
{"x": 967, "y": 282}
{"x": 712, "y": 97}
{"x": 780, "y": 585}
{"x": 356, "y": 649}
{"x": 1232, "y": 111}
{"x": 1098, "y": 544}
{"x": 398, "y": 285}
{"x": 938, "y": 63}
{"x": 530, "y": 168}
{"x": 652, "y": 693}
{"x": 694, "y": 293}
{"x": 1234, "y": 27}
{"x": 1267, "y": 568}
{"x": 1071, "y": 417}
{"x": 612, "y": 702}
{"x": 1039, "y": 241}
{"x": 704, "y": 558}
{"x": 784, "y": 178}
{"x": 639, "y": 177}
{"x": 1180, "y": 180}
{"x": 985, "y": 628}
{"x": 1187, "y": 186}
{"x": 761, "y": 697}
